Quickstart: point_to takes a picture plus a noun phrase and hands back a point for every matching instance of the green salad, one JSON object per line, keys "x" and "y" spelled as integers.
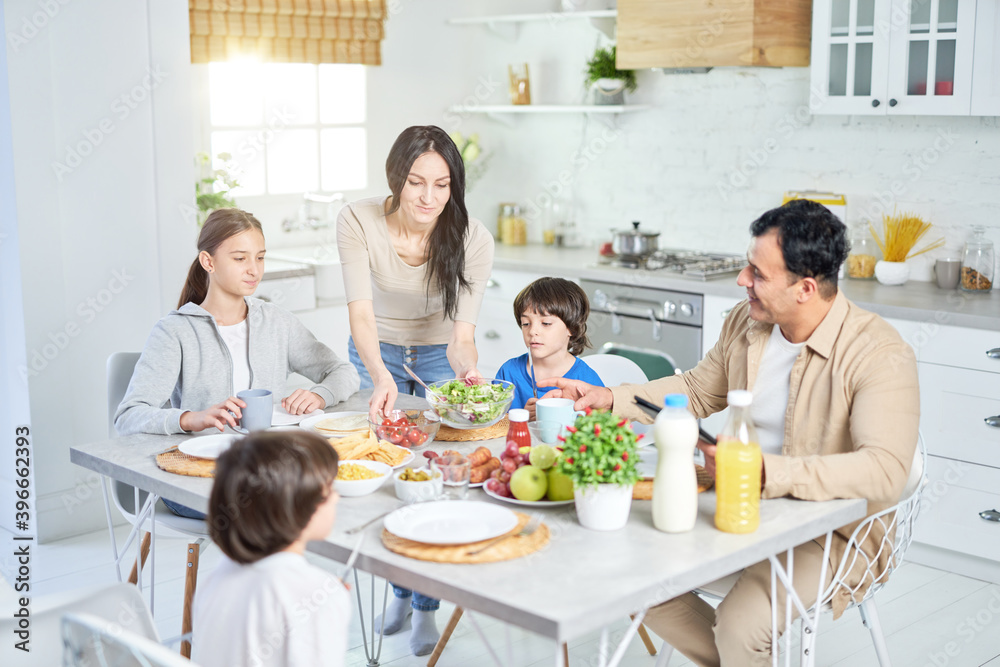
{"x": 481, "y": 402}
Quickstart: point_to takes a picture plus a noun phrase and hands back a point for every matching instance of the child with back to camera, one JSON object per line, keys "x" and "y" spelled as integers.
{"x": 265, "y": 605}
{"x": 552, "y": 313}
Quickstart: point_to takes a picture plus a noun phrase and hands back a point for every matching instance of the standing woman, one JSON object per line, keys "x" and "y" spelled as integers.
{"x": 415, "y": 268}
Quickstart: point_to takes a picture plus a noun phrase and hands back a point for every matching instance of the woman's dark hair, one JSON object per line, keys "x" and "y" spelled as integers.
{"x": 813, "y": 241}
{"x": 267, "y": 487}
{"x": 561, "y": 298}
{"x": 220, "y": 225}
{"x": 446, "y": 246}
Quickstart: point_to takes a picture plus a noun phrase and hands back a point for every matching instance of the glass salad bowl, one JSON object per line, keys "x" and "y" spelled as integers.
{"x": 472, "y": 402}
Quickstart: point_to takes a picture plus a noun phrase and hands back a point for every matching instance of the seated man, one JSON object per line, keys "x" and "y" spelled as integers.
{"x": 836, "y": 406}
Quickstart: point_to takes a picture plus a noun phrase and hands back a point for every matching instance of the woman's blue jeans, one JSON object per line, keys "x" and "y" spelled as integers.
{"x": 430, "y": 362}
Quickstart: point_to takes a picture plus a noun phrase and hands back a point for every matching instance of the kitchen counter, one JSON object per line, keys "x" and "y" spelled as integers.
{"x": 275, "y": 269}
{"x": 914, "y": 301}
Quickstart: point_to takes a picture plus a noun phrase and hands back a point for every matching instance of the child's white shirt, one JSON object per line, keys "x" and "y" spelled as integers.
{"x": 278, "y": 612}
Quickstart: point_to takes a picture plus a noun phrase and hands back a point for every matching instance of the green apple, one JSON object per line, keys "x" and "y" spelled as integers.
{"x": 543, "y": 456}
{"x": 560, "y": 486}
{"x": 529, "y": 483}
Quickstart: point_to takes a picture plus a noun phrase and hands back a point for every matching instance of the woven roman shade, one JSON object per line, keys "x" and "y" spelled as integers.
{"x": 287, "y": 31}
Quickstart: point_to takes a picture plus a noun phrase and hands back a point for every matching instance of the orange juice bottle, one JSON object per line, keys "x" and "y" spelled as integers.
{"x": 737, "y": 469}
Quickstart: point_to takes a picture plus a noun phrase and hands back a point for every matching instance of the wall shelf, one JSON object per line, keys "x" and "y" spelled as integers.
{"x": 508, "y": 25}
{"x": 503, "y": 113}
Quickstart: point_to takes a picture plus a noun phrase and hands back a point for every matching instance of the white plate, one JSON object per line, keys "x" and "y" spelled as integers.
{"x": 528, "y": 503}
{"x": 310, "y": 422}
{"x": 405, "y": 461}
{"x": 646, "y": 466}
{"x": 208, "y": 446}
{"x": 450, "y": 521}
{"x": 280, "y": 416}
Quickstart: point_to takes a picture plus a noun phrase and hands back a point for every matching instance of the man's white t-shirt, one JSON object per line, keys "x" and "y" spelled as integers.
{"x": 237, "y": 339}
{"x": 278, "y": 612}
{"x": 770, "y": 391}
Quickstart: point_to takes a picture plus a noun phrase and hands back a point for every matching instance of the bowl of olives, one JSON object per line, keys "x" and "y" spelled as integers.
{"x": 416, "y": 485}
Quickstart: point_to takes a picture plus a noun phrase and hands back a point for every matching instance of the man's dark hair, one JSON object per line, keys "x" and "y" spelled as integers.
{"x": 812, "y": 239}
{"x": 267, "y": 487}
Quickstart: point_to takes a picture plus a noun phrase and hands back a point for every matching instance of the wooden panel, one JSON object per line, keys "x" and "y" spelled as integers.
{"x": 709, "y": 33}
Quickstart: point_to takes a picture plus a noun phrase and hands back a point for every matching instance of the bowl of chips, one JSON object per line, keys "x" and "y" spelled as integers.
{"x": 359, "y": 478}
{"x": 366, "y": 447}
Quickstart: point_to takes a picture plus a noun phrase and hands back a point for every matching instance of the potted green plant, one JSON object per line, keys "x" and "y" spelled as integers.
{"x": 599, "y": 455}
{"x": 212, "y": 187}
{"x": 608, "y": 82}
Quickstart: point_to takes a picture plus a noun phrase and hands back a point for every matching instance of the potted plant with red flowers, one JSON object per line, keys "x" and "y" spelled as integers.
{"x": 599, "y": 455}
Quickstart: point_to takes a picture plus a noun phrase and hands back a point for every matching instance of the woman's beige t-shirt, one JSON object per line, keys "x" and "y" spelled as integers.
{"x": 404, "y": 311}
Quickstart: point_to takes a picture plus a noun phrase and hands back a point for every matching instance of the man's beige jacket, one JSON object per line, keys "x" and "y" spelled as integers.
{"x": 851, "y": 422}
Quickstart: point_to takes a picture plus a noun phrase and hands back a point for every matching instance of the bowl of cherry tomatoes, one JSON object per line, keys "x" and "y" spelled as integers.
{"x": 407, "y": 428}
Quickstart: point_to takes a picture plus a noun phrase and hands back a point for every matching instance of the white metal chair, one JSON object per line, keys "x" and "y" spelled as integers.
{"x": 896, "y": 524}
{"x": 614, "y": 369}
{"x": 120, "y": 603}
{"x": 147, "y": 514}
{"x": 91, "y": 641}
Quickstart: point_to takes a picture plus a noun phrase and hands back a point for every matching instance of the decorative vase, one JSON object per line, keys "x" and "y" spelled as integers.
{"x": 609, "y": 92}
{"x": 892, "y": 273}
{"x": 604, "y": 506}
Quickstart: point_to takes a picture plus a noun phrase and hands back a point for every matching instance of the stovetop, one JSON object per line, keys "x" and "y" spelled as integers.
{"x": 689, "y": 263}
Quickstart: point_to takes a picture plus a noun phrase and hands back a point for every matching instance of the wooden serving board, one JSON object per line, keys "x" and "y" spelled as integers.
{"x": 512, "y": 547}
{"x": 449, "y": 434}
{"x": 643, "y": 489}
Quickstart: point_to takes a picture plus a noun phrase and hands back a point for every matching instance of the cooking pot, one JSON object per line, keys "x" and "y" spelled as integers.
{"x": 634, "y": 242}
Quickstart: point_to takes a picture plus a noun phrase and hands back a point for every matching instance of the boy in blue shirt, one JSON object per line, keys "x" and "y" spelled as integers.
{"x": 552, "y": 313}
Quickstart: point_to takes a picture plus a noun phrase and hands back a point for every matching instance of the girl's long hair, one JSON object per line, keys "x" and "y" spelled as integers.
{"x": 446, "y": 246}
{"x": 221, "y": 224}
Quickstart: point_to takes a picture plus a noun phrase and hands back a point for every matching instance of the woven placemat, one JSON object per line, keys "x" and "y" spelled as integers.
{"x": 178, "y": 462}
{"x": 449, "y": 434}
{"x": 643, "y": 489}
{"x": 512, "y": 547}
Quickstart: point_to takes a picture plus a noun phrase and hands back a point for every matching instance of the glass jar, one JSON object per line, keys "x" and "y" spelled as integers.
{"x": 863, "y": 255}
{"x": 977, "y": 263}
{"x": 511, "y": 225}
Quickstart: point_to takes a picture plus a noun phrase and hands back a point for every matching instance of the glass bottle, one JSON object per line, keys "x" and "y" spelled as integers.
{"x": 737, "y": 469}
{"x": 977, "y": 263}
{"x": 863, "y": 255}
{"x": 518, "y": 431}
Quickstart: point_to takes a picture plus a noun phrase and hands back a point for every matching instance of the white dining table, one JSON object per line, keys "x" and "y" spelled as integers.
{"x": 582, "y": 581}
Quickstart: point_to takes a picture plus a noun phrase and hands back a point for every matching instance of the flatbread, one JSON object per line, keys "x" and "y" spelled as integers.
{"x": 344, "y": 424}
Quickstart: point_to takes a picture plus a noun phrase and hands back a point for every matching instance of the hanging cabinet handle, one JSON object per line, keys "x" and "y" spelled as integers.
{"x": 993, "y": 421}
{"x": 990, "y": 515}
{"x": 994, "y": 353}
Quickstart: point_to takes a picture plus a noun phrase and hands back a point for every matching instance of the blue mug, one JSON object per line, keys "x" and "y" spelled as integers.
{"x": 556, "y": 413}
{"x": 257, "y": 413}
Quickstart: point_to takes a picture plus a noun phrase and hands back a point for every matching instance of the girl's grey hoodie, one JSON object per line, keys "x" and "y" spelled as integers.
{"x": 186, "y": 362}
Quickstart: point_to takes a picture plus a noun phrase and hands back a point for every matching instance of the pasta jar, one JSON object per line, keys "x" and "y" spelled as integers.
{"x": 512, "y": 227}
{"x": 977, "y": 263}
{"x": 863, "y": 255}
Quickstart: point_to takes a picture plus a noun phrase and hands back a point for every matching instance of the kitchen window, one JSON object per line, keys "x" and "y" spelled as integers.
{"x": 290, "y": 128}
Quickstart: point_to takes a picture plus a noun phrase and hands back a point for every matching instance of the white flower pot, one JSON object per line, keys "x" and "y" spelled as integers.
{"x": 609, "y": 92}
{"x": 603, "y": 507}
{"x": 892, "y": 273}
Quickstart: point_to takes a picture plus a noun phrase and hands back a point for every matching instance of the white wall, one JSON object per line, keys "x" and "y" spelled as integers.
{"x": 716, "y": 151}
{"x": 94, "y": 91}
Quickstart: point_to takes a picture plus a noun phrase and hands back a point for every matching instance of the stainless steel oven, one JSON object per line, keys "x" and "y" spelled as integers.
{"x": 658, "y": 329}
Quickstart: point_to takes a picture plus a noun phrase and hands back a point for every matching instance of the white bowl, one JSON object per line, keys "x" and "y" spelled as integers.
{"x": 415, "y": 492}
{"x": 892, "y": 273}
{"x": 362, "y": 487}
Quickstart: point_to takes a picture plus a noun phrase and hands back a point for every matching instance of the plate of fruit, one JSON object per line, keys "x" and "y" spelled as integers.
{"x": 527, "y": 477}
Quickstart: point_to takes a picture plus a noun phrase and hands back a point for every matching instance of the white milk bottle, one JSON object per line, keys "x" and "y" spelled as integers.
{"x": 675, "y": 487}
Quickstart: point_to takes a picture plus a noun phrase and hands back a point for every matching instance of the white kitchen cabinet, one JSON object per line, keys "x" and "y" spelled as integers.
{"x": 959, "y": 390}
{"x": 901, "y": 57}
{"x": 986, "y": 61}
{"x": 296, "y": 294}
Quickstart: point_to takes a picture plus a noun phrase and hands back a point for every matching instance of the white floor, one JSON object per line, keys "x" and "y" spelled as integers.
{"x": 930, "y": 618}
